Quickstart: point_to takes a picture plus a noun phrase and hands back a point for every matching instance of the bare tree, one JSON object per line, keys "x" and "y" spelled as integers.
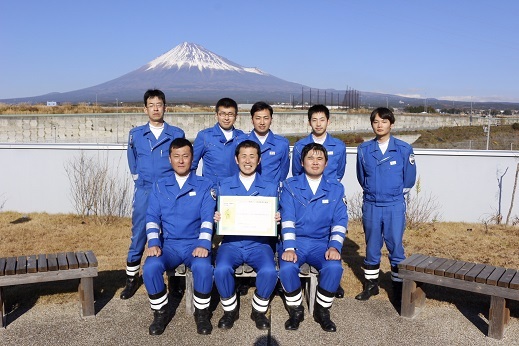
{"x": 513, "y": 195}
{"x": 355, "y": 207}
{"x": 421, "y": 207}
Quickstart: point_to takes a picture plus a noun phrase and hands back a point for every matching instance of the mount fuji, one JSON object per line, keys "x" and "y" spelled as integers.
{"x": 186, "y": 73}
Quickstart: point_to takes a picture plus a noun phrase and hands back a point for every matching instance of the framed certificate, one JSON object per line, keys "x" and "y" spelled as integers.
{"x": 247, "y": 216}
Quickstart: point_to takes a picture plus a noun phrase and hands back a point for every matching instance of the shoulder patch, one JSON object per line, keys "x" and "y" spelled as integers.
{"x": 411, "y": 159}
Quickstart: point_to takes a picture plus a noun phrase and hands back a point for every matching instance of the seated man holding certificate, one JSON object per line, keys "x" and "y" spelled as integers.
{"x": 241, "y": 205}
{"x": 314, "y": 214}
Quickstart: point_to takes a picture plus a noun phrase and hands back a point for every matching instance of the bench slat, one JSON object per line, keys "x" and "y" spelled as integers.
{"x": 504, "y": 281}
{"x": 432, "y": 267}
{"x": 10, "y": 267}
{"x": 471, "y": 274}
{"x": 21, "y": 266}
{"x": 2, "y": 266}
{"x": 454, "y": 268}
{"x": 52, "y": 262}
{"x": 515, "y": 282}
{"x": 42, "y": 263}
{"x": 62, "y": 261}
{"x": 425, "y": 263}
{"x": 440, "y": 271}
{"x": 403, "y": 264}
{"x": 460, "y": 274}
{"x": 72, "y": 260}
{"x": 31, "y": 264}
{"x": 92, "y": 260}
{"x": 495, "y": 276}
{"x": 485, "y": 273}
{"x": 417, "y": 259}
{"x": 81, "y": 259}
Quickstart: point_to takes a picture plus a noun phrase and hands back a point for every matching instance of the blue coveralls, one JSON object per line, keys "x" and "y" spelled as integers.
{"x": 311, "y": 224}
{"x": 148, "y": 159}
{"x": 275, "y": 156}
{"x": 384, "y": 178}
{"x": 178, "y": 221}
{"x": 217, "y": 152}
{"x": 255, "y": 251}
{"x": 336, "y": 156}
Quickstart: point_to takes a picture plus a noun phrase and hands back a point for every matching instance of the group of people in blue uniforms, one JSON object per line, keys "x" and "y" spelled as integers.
{"x": 175, "y": 211}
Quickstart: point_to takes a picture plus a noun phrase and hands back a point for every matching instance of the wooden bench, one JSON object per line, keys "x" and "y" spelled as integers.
{"x": 52, "y": 267}
{"x": 499, "y": 283}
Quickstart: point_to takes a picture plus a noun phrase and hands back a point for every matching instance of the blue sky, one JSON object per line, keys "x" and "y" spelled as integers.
{"x": 458, "y": 50}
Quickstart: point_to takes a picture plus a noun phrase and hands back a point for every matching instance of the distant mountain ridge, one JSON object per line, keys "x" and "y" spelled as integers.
{"x": 191, "y": 73}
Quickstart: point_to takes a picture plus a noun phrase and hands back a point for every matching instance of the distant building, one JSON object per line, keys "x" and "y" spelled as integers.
{"x": 52, "y": 103}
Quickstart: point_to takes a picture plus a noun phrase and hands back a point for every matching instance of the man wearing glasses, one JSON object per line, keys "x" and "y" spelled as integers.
{"x": 215, "y": 145}
{"x": 148, "y": 159}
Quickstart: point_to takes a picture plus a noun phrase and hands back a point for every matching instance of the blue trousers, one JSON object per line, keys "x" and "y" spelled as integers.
{"x": 384, "y": 225}
{"x": 138, "y": 241}
{"x": 259, "y": 256}
{"x": 173, "y": 254}
{"x": 310, "y": 251}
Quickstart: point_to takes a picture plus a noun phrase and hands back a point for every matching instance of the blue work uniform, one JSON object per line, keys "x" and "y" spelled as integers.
{"x": 148, "y": 159}
{"x": 384, "y": 178}
{"x": 179, "y": 220}
{"x": 217, "y": 152}
{"x": 255, "y": 251}
{"x": 275, "y": 156}
{"x": 336, "y": 156}
{"x": 311, "y": 224}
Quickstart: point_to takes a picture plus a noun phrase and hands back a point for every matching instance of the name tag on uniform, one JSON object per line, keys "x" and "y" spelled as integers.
{"x": 192, "y": 193}
{"x": 392, "y": 163}
{"x": 272, "y": 153}
{"x": 330, "y": 152}
{"x": 325, "y": 201}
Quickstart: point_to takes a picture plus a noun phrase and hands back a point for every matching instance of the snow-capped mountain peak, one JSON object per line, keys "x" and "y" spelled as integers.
{"x": 191, "y": 55}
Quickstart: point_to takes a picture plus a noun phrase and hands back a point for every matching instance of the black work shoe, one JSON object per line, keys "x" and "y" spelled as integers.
{"x": 228, "y": 318}
{"x": 370, "y": 289}
{"x": 203, "y": 321}
{"x": 322, "y": 316}
{"x": 160, "y": 320}
{"x": 297, "y": 315}
{"x": 340, "y": 292}
{"x": 132, "y": 284}
{"x": 262, "y": 322}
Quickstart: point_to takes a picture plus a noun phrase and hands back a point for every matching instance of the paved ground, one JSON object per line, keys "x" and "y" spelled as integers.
{"x": 374, "y": 322}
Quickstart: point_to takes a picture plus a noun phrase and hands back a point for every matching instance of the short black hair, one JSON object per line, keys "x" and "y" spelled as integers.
{"x": 383, "y": 113}
{"x": 260, "y": 106}
{"x": 154, "y": 93}
{"x": 226, "y": 103}
{"x": 313, "y": 147}
{"x": 180, "y": 143}
{"x": 247, "y": 144}
{"x": 318, "y": 109}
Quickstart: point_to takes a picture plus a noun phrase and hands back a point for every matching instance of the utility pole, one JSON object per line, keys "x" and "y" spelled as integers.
{"x": 488, "y": 128}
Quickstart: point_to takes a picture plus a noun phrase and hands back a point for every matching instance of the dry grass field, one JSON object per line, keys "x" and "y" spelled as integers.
{"x": 44, "y": 233}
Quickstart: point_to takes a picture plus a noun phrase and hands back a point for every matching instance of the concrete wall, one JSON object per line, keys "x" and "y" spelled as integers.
{"x": 113, "y": 128}
{"x": 463, "y": 183}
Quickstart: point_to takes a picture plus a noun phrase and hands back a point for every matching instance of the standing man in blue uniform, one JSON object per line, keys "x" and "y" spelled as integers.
{"x": 179, "y": 227}
{"x": 319, "y": 119}
{"x": 314, "y": 223}
{"x": 215, "y": 145}
{"x": 386, "y": 171}
{"x": 148, "y": 161}
{"x": 253, "y": 250}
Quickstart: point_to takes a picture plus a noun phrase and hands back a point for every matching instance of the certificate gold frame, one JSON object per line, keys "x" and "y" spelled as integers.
{"x": 247, "y": 216}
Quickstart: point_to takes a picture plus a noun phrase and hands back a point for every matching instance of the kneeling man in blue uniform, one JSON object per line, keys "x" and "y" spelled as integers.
{"x": 315, "y": 220}
{"x": 179, "y": 228}
{"x": 256, "y": 251}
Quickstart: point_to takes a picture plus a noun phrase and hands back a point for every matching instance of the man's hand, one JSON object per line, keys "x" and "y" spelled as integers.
{"x": 200, "y": 252}
{"x": 289, "y": 256}
{"x": 154, "y": 251}
{"x": 332, "y": 254}
{"x": 217, "y": 217}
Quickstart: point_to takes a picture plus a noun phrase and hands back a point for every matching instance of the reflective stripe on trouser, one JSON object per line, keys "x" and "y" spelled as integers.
{"x": 158, "y": 300}
{"x": 324, "y": 298}
{"x": 371, "y": 271}
{"x": 201, "y": 300}
{"x": 311, "y": 251}
{"x": 294, "y": 298}
{"x": 394, "y": 274}
{"x": 132, "y": 269}
{"x": 260, "y": 304}
{"x": 229, "y": 304}
{"x": 138, "y": 240}
{"x": 171, "y": 257}
{"x": 384, "y": 225}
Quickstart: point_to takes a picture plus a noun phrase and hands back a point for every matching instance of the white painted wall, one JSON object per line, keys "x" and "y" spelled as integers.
{"x": 33, "y": 178}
